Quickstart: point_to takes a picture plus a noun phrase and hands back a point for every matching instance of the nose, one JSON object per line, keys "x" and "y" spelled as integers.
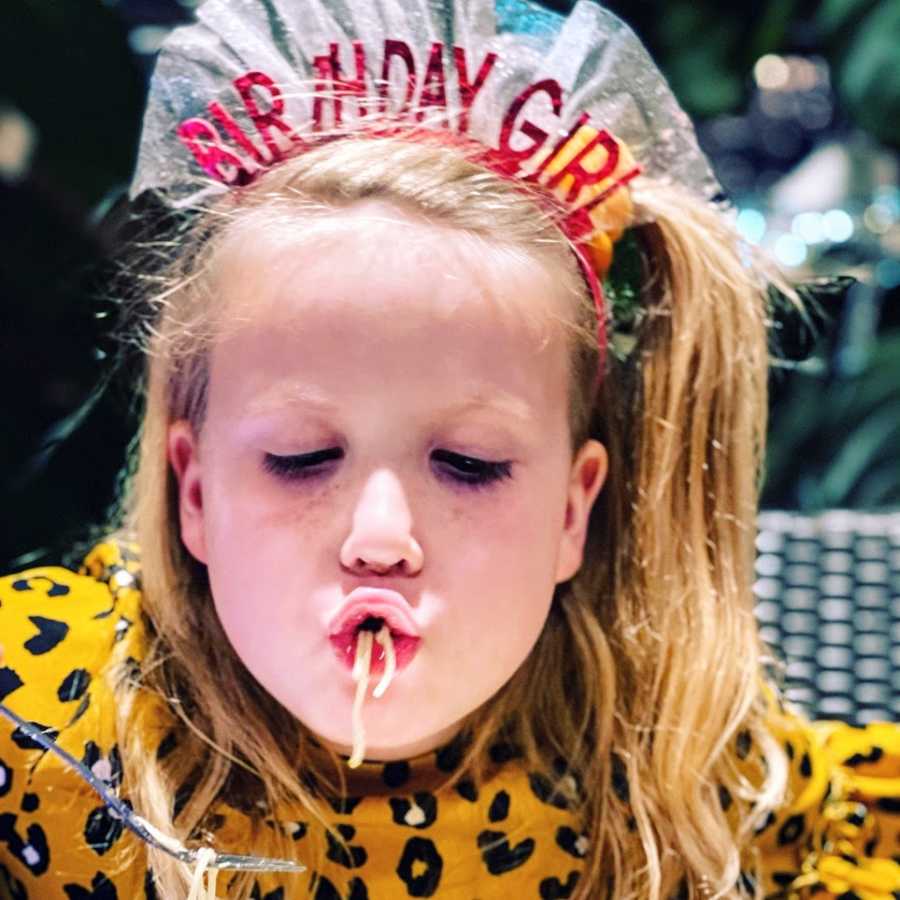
{"x": 380, "y": 538}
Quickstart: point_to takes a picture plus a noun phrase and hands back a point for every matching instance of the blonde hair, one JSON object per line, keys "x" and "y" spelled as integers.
{"x": 647, "y": 679}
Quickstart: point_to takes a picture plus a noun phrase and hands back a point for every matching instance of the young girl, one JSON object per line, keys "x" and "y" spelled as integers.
{"x": 435, "y": 569}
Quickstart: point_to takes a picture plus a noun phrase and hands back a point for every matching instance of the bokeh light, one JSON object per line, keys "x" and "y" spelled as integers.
{"x": 752, "y": 225}
{"x": 790, "y": 250}
{"x": 771, "y": 72}
{"x": 809, "y": 227}
{"x": 838, "y": 225}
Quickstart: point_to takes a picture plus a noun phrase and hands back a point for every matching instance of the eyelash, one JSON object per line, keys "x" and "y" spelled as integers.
{"x": 467, "y": 470}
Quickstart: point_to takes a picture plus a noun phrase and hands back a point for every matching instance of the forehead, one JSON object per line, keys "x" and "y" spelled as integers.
{"x": 373, "y": 288}
{"x": 284, "y": 267}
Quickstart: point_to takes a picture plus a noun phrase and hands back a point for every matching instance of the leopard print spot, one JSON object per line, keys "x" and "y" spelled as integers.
{"x": 25, "y": 742}
{"x": 358, "y": 890}
{"x": 396, "y": 774}
{"x": 6, "y": 779}
{"x": 50, "y": 633}
{"x": 51, "y": 588}
{"x": 277, "y": 894}
{"x": 73, "y": 685}
{"x": 570, "y": 841}
{"x": 166, "y": 745}
{"x": 619, "y": 778}
{"x": 859, "y": 759}
{"x": 497, "y": 854}
{"x": 101, "y": 830}
{"x": 101, "y": 889}
{"x": 324, "y": 889}
{"x": 546, "y": 791}
{"x": 418, "y": 811}
{"x": 503, "y": 752}
{"x": 499, "y": 807}
{"x": 336, "y": 852}
{"x": 448, "y": 757}
{"x": 554, "y": 889}
{"x": 9, "y": 682}
{"x": 344, "y": 806}
{"x": 33, "y": 852}
{"x": 791, "y": 830}
{"x": 420, "y": 852}
{"x": 725, "y": 799}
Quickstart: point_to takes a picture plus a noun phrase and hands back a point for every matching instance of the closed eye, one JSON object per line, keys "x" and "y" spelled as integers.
{"x": 300, "y": 465}
{"x": 464, "y": 470}
{"x": 471, "y": 471}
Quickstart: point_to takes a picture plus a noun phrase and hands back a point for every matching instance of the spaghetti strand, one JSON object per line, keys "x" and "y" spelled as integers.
{"x": 390, "y": 664}
{"x": 361, "y": 669}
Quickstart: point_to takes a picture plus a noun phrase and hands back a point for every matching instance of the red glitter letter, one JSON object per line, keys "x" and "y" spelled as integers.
{"x": 468, "y": 91}
{"x": 264, "y": 122}
{"x": 218, "y": 161}
{"x": 582, "y": 119}
{"x": 332, "y": 83}
{"x": 225, "y": 119}
{"x": 397, "y": 48}
{"x": 434, "y": 87}
{"x": 538, "y": 136}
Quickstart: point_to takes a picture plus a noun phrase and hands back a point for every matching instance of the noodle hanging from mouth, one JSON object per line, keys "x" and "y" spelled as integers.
{"x": 361, "y": 671}
{"x": 390, "y": 666}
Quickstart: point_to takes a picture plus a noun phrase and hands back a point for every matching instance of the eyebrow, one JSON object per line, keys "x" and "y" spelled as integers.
{"x": 494, "y": 401}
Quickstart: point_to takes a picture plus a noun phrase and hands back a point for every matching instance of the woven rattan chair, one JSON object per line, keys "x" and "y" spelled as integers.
{"x": 828, "y": 603}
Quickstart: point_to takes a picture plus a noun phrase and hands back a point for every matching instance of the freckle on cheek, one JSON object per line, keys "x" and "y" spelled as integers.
{"x": 312, "y": 508}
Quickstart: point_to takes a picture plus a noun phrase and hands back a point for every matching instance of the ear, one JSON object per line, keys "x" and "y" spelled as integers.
{"x": 588, "y": 474}
{"x": 183, "y": 450}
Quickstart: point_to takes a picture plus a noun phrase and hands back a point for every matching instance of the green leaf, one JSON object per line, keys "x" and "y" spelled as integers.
{"x": 869, "y": 79}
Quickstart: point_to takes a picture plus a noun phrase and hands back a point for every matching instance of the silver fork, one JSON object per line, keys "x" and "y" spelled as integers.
{"x": 140, "y": 826}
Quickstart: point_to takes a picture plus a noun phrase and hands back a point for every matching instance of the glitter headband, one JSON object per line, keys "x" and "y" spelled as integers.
{"x": 573, "y": 106}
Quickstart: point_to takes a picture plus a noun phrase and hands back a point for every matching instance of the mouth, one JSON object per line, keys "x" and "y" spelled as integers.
{"x": 346, "y": 641}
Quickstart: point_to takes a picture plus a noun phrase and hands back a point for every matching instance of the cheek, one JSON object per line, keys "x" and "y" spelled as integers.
{"x": 249, "y": 508}
{"x": 256, "y": 602}
{"x": 262, "y": 547}
{"x": 524, "y": 523}
{"x": 503, "y": 562}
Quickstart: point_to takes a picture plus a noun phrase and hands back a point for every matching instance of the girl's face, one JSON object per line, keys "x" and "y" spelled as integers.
{"x": 385, "y": 415}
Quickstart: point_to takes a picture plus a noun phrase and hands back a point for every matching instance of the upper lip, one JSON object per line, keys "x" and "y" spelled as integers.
{"x": 364, "y": 602}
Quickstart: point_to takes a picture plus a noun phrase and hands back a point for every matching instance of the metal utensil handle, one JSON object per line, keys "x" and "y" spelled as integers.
{"x": 99, "y": 786}
{"x": 134, "y": 822}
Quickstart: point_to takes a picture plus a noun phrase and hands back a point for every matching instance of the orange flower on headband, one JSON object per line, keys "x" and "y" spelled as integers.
{"x": 610, "y": 218}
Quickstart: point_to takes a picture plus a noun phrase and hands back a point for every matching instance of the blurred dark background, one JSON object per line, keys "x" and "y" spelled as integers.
{"x": 797, "y": 104}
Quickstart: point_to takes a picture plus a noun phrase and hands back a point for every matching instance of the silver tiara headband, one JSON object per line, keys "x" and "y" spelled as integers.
{"x": 252, "y": 80}
{"x": 572, "y": 105}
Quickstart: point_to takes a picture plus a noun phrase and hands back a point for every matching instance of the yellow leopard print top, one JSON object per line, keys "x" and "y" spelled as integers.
{"x": 837, "y": 838}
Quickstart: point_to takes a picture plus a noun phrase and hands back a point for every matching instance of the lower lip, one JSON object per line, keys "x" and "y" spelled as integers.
{"x": 405, "y": 648}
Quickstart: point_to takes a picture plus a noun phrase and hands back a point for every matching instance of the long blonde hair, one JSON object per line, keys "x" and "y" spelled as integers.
{"x": 647, "y": 679}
